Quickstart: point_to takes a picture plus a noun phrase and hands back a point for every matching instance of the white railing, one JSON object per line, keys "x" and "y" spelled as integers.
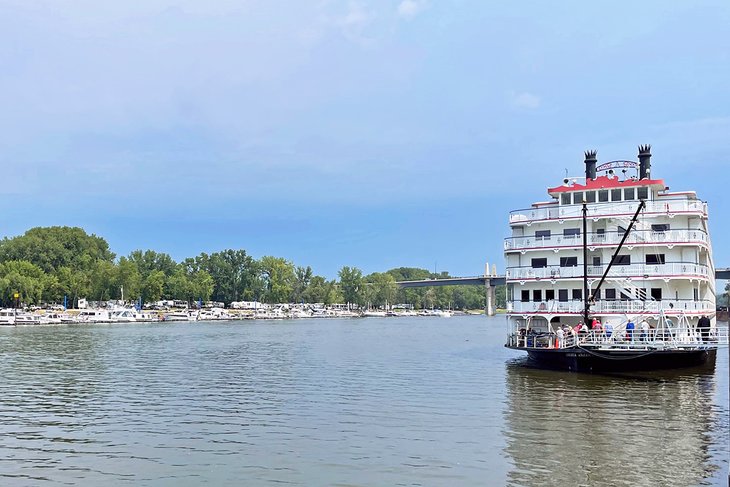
{"x": 612, "y": 306}
{"x": 668, "y": 207}
{"x": 653, "y": 339}
{"x": 633, "y": 270}
{"x": 670, "y": 237}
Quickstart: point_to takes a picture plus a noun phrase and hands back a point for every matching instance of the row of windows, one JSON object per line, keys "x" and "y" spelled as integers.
{"x": 608, "y": 294}
{"x": 621, "y": 259}
{"x": 605, "y": 195}
{"x": 575, "y": 232}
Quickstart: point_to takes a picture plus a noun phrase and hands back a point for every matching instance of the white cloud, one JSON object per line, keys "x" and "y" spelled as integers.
{"x": 410, "y": 8}
{"x": 355, "y": 23}
{"x": 525, "y": 100}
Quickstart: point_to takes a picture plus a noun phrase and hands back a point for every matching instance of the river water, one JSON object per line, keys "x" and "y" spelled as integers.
{"x": 357, "y": 402}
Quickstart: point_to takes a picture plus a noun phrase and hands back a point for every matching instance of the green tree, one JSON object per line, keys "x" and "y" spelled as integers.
{"x": 103, "y": 281}
{"x": 235, "y": 275}
{"x": 302, "y": 280}
{"x": 127, "y": 277}
{"x": 317, "y": 291}
{"x": 153, "y": 286}
{"x": 149, "y": 261}
{"x": 384, "y": 288}
{"x": 74, "y": 284}
{"x": 278, "y": 276}
{"x": 51, "y": 248}
{"x": 351, "y": 285}
{"x": 23, "y": 277}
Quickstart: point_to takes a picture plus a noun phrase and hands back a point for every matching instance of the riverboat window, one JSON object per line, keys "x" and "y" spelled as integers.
{"x": 537, "y": 295}
{"x": 610, "y": 293}
{"x": 624, "y": 259}
{"x": 539, "y": 263}
{"x": 590, "y": 196}
{"x": 660, "y": 227}
{"x": 571, "y": 232}
{"x": 628, "y": 193}
{"x": 565, "y": 198}
{"x": 625, "y": 295}
{"x": 656, "y": 293}
{"x": 656, "y": 259}
{"x": 616, "y": 194}
{"x": 696, "y": 293}
{"x": 549, "y": 294}
{"x": 600, "y": 234}
{"x": 525, "y": 296}
{"x": 597, "y": 294}
{"x": 562, "y": 294}
{"x": 603, "y": 195}
{"x": 577, "y": 294}
{"x": 568, "y": 261}
{"x": 543, "y": 234}
{"x": 578, "y": 198}
{"x": 642, "y": 193}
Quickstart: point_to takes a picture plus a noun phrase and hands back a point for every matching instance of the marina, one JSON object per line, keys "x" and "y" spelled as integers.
{"x": 12, "y": 317}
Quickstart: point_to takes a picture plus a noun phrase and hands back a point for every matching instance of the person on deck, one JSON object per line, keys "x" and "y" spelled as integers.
{"x": 630, "y": 331}
{"x": 608, "y": 328}
{"x": 703, "y": 326}
{"x": 644, "y": 330}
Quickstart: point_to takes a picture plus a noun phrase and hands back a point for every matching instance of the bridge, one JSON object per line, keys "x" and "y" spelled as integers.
{"x": 489, "y": 282}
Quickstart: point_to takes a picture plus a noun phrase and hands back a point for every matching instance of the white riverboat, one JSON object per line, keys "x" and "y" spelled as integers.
{"x": 613, "y": 272}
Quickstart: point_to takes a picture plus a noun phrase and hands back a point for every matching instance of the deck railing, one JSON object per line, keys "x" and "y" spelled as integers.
{"x": 597, "y": 210}
{"x": 612, "y": 306}
{"x": 665, "y": 338}
{"x": 640, "y": 237}
{"x": 633, "y": 270}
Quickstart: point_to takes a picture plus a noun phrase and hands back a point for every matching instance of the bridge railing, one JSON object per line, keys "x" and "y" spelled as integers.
{"x": 558, "y": 212}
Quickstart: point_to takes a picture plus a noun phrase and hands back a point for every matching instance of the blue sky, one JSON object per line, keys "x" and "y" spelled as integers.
{"x": 365, "y": 133}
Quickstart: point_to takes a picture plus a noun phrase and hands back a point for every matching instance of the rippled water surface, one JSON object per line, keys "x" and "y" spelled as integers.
{"x": 402, "y": 401}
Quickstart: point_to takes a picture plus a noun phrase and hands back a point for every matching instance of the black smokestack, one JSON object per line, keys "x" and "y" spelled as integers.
{"x": 591, "y": 161}
{"x": 645, "y": 161}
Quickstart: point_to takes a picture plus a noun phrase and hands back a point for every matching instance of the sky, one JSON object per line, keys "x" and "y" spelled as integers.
{"x": 373, "y": 134}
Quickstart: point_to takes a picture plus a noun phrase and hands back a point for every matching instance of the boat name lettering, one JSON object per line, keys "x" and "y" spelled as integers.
{"x": 617, "y": 165}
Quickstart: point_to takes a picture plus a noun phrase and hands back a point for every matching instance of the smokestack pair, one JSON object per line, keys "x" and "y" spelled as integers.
{"x": 644, "y": 162}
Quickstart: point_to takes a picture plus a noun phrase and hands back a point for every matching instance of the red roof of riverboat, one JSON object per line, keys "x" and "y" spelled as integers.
{"x": 607, "y": 182}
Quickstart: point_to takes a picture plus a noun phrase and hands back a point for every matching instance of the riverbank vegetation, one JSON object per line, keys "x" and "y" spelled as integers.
{"x": 46, "y": 264}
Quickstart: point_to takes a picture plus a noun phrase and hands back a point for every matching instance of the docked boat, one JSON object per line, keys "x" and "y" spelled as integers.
{"x": 613, "y": 273}
{"x": 7, "y": 317}
{"x": 183, "y": 315}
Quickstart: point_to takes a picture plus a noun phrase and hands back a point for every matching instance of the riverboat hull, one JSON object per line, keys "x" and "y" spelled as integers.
{"x": 579, "y": 359}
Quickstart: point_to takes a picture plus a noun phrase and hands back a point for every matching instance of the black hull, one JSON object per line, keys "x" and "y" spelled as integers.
{"x": 580, "y": 360}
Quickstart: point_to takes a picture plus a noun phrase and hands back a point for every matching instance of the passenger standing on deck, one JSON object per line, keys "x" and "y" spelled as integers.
{"x": 630, "y": 331}
{"x": 703, "y": 325}
{"x": 644, "y": 330}
{"x": 561, "y": 337}
{"x": 609, "y": 329}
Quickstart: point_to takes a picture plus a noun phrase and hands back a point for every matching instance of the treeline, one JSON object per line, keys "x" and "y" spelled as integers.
{"x": 47, "y": 263}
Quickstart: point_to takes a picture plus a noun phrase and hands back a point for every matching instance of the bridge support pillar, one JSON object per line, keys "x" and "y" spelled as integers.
{"x": 491, "y": 299}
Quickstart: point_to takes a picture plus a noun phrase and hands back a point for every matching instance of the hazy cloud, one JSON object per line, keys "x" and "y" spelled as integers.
{"x": 410, "y": 8}
{"x": 525, "y": 100}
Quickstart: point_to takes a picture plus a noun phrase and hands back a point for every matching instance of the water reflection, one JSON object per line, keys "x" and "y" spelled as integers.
{"x": 580, "y": 429}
